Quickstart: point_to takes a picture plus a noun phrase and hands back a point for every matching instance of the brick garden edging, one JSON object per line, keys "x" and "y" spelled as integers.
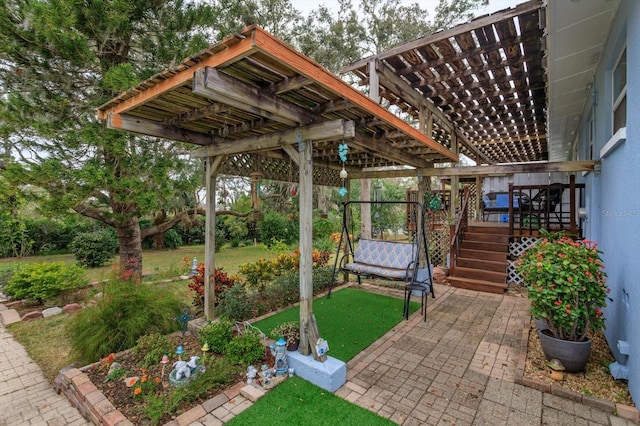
{"x": 625, "y": 411}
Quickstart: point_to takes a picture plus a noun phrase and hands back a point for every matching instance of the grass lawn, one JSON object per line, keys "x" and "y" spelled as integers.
{"x": 298, "y": 402}
{"x": 163, "y": 263}
{"x": 350, "y": 321}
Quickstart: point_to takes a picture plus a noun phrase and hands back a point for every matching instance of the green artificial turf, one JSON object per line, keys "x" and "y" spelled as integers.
{"x": 298, "y": 402}
{"x": 350, "y": 321}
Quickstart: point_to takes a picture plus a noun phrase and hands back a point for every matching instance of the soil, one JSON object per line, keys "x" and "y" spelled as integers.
{"x": 122, "y": 396}
{"x": 595, "y": 381}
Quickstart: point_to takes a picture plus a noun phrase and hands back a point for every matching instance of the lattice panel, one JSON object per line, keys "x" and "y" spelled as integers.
{"x": 276, "y": 169}
{"x": 517, "y": 249}
{"x": 439, "y": 246}
{"x": 473, "y": 208}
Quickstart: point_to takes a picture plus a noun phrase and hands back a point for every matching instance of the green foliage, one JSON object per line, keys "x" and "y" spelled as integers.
{"x": 51, "y": 236}
{"x": 275, "y": 227}
{"x": 116, "y": 374}
{"x": 245, "y": 349}
{"x": 123, "y": 314}
{"x": 222, "y": 281}
{"x": 172, "y": 240}
{"x": 322, "y": 229}
{"x": 566, "y": 284}
{"x": 235, "y": 303}
{"x": 217, "y": 334}
{"x": 5, "y": 276}
{"x": 43, "y": 281}
{"x": 151, "y": 347}
{"x": 94, "y": 249}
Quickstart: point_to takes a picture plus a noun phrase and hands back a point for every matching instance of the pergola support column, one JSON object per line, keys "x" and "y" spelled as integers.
{"x": 213, "y": 167}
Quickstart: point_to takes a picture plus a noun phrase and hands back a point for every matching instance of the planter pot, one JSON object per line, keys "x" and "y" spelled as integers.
{"x": 541, "y": 324}
{"x": 573, "y": 355}
{"x": 292, "y": 347}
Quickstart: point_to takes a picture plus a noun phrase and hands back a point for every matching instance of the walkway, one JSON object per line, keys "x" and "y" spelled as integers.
{"x": 458, "y": 368}
{"x": 26, "y": 397}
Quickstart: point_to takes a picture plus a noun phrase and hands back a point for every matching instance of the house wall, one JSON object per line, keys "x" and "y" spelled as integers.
{"x": 612, "y": 200}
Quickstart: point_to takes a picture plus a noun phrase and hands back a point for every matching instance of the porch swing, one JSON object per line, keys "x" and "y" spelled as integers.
{"x": 388, "y": 260}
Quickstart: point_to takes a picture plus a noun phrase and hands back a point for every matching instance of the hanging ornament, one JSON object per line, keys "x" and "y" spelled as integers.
{"x": 343, "y": 149}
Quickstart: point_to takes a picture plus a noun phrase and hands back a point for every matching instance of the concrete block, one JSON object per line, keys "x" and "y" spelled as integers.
{"x": 329, "y": 375}
{"x": 252, "y": 393}
{"x": 56, "y": 310}
{"x": 9, "y": 316}
{"x": 71, "y": 307}
{"x": 32, "y": 315}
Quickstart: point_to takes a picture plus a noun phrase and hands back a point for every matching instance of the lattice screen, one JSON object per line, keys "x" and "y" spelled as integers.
{"x": 439, "y": 245}
{"x": 473, "y": 208}
{"x": 516, "y": 249}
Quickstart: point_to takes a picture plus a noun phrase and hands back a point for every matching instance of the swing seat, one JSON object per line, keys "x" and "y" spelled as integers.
{"x": 385, "y": 259}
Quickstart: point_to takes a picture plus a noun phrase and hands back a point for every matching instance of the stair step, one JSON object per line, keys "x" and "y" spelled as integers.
{"x": 492, "y": 238}
{"x": 478, "y": 262}
{"x": 501, "y": 230}
{"x": 483, "y": 254}
{"x": 478, "y": 274}
{"x": 477, "y": 285}
{"x": 485, "y": 246}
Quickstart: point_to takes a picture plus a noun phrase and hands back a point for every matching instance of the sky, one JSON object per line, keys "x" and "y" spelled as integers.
{"x": 306, "y": 6}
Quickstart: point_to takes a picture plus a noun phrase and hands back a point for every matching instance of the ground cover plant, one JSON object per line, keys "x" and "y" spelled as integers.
{"x": 350, "y": 321}
{"x": 298, "y": 402}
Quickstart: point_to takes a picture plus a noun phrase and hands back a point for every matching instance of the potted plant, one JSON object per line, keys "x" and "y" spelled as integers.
{"x": 566, "y": 286}
{"x": 290, "y": 331}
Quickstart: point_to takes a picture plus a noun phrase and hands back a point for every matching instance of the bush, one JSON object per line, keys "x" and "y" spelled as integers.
{"x": 322, "y": 278}
{"x": 276, "y": 227}
{"x": 245, "y": 349}
{"x": 217, "y": 334}
{"x": 43, "y": 281}
{"x": 94, "y": 249}
{"x": 222, "y": 280}
{"x": 235, "y": 304}
{"x": 172, "y": 240}
{"x": 322, "y": 229}
{"x": 123, "y": 314}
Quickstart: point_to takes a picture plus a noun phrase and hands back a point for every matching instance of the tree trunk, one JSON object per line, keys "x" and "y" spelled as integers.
{"x": 130, "y": 249}
{"x": 158, "y": 239}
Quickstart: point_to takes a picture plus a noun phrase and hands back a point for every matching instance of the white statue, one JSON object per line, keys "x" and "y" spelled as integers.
{"x": 184, "y": 368}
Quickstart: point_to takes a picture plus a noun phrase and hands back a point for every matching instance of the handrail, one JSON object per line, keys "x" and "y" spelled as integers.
{"x": 457, "y": 230}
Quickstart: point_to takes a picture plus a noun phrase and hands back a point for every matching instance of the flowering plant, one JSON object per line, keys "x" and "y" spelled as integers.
{"x": 289, "y": 330}
{"x": 566, "y": 285}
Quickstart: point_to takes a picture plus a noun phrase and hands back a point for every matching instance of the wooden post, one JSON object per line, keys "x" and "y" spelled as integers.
{"x": 365, "y": 209}
{"x": 305, "y": 166}
{"x": 213, "y": 166}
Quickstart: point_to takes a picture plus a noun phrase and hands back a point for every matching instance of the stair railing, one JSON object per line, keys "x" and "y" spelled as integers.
{"x": 457, "y": 229}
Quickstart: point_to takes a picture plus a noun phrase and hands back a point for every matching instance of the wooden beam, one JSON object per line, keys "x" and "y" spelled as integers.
{"x": 235, "y": 48}
{"x": 418, "y": 101}
{"x": 283, "y": 53}
{"x": 369, "y": 144}
{"x": 499, "y": 169}
{"x": 133, "y": 124}
{"x": 213, "y": 167}
{"x": 329, "y": 130}
{"x": 228, "y": 87}
{"x": 305, "y": 196}
{"x": 446, "y": 34}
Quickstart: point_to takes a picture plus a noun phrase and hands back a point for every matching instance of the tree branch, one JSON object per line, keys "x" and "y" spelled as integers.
{"x": 93, "y": 213}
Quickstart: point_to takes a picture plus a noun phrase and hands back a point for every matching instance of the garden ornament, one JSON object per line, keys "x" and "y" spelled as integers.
{"x": 279, "y": 351}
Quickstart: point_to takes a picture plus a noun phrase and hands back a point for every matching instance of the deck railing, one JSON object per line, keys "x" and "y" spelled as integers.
{"x": 457, "y": 230}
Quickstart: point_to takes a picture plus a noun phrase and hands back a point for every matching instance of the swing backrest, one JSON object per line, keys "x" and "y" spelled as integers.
{"x": 386, "y": 254}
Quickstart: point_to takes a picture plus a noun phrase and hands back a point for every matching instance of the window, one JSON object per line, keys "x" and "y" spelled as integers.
{"x": 620, "y": 93}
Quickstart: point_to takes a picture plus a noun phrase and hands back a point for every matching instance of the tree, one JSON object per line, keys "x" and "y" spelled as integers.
{"x": 60, "y": 60}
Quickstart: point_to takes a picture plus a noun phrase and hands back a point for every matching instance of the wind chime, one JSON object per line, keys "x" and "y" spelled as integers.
{"x": 343, "y": 149}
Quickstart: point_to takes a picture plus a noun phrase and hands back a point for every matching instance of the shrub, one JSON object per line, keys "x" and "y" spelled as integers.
{"x": 222, "y": 280}
{"x": 235, "y": 304}
{"x": 151, "y": 348}
{"x": 43, "y": 281}
{"x": 94, "y": 249}
{"x": 123, "y": 314}
{"x": 5, "y": 276}
{"x": 217, "y": 334}
{"x": 321, "y": 278}
{"x": 275, "y": 227}
{"x": 322, "y": 229}
{"x": 172, "y": 240}
{"x": 245, "y": 349}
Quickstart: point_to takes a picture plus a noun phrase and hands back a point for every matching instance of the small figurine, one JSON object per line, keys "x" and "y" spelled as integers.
{"x": 251, "y": 374}
{"x": 279, "y": 350}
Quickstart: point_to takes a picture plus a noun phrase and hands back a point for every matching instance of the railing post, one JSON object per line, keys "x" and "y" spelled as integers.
{"x": 572, "y": 205}
{"x": 511, "y": 208}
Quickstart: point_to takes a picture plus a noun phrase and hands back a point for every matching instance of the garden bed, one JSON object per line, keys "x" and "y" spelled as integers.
{"x": 595, "y": 380}
{"x": 158, "y": 402}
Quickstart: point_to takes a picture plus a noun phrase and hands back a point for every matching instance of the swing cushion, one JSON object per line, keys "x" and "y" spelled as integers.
{"x": 387, "y": 259}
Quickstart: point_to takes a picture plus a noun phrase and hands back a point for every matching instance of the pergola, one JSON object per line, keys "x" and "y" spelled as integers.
{"x": 255, "y": 107}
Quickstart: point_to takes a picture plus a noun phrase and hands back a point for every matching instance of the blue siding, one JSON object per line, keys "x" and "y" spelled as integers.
{"x": 612, "y": 198}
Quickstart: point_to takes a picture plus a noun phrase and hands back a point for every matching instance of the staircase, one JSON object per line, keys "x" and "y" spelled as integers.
{"x": 482, "y": 260}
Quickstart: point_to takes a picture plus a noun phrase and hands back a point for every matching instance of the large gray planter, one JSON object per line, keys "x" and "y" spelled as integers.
{"x": 573, "y": 355}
